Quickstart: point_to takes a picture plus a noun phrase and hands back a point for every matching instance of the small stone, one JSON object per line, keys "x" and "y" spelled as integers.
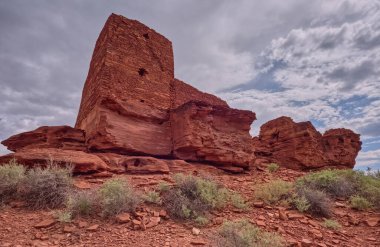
{"x": 80, "y": 184}
{"x": 195, "y": 231}
{"x": 294, "y": 216}
{"x": 82, "y": 224}
{"x": 306, "y": 242}
{"x": 198, "y": 242}
{"x": 282, "y": 215}
{"x": 372, "y": 221}
{"x": 45, "y": 223}
{"x": 154, "y": 221}
{"x": 258, "y": 204}
{"x": 260, "y": 223}
{"x": 339, "y": 205}
{"x": 123, "y": 218}
{"x": 68, "y": 229}
{"x": 163, "y": 213}
{"x": 93, "y": 228}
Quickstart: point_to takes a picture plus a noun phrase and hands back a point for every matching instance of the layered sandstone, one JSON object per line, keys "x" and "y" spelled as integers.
{"x": 301, "y": 146}
{"x": 216, "y": 134}
{"x": 62, "y": 137}
{"x": 80, "y": 161}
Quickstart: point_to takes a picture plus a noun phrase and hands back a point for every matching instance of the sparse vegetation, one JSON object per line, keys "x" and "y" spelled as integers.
{"x": 238, "y": 201}
{"x": 201, "y": 221}
{"x": 244, "y": 234}
{"x": 273, "y": 192}
{"x": 64, "y": 216}
{"x": 46, "y": 187}
{"x": 82, "y": 203}
{"x": 11, "y": 175}
{"x": 318, "y": 201}
{"x": 273, "y": 167}
{"x": 192, "y": 197}
{"x": 360, "y": 203}
{"x": 331, "y": 224}
{"x": 117, "y": 196}
{"x": 163, "y": 187}
{"x": 153, "y": 197}
{"x": 301, "y": 203}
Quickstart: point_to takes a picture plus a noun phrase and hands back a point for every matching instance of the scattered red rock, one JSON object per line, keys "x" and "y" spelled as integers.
{"x": 45, "y": 223}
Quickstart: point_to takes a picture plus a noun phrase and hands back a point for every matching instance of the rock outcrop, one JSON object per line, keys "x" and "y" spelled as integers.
{"x": 62, "y": 137}
{"x": 301, "y": 146}
{"x": 81, "y": 162}
{"x": 217, "y": 134}
{"x": 136, "y": 117}
{"x": 133, "y": 106}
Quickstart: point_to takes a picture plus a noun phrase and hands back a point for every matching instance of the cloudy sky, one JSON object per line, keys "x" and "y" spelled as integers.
{"x": 311, "y": 60}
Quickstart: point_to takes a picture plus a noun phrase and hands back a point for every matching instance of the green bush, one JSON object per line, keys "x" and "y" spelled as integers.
{"x": 273, "y": 192}
{"x": 82, "y": 203}
{"x": 64, "y": 216}
{"x": 238, "y": 201}
{"x": 192, "y": 197}
{"x": 152, "y": 197}
{"x": 201, "y": 220}
{"x": 117, "y": 196}
{"x": 11, "y": 175}
{"x": 301, "y": 203}
{"x": 163, "y": 187}
{"x": 331, "y": 224}
{"x": 244, "y": 234}
{"x": 360, "y": 203}
{"x": 344, "y": 183}
{"x": 46, "y": 187}
{"x": 273, "y": 167}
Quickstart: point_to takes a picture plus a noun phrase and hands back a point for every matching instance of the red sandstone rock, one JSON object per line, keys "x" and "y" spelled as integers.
{"x": 82, "y": 162}
{"x": 301, "y": 146}
{"x": 135, "y": 164}
{"x": 63, "y": 137}
{"x": 216, "y": 134}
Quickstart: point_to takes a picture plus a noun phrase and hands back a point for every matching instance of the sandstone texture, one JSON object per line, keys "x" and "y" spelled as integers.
{"x": 80, "y": 161}
{"x": 301, "y": 146}
{"x": 217, "y": 134}
{"x": 63, "y": 137}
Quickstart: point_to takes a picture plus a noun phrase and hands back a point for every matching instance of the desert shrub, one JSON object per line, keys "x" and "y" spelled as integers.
{"x": 238, "y": 201}
{"x": 11, "y": 175}
{"x": 331, "y": 224}
{"x": 117, "y": 196}
{"x": 273, "y": 192}
{"x": 193, "y": 196}
{"x": 301, "y": 203}
{"x": 244, "y": 234}
{"x": 319, "y": 202}
{"x": 152, "y": 197}
{"x": 46, "y": 187}
{"x": 273, "y": 167}
{"x": 360, "y": 203}
{"x": 344, "y": 183}
{"x": 201, "y": 220}
{"x": 64, "y": 216}
{"x": 163, "y": 187}
{"x": 83, "y": 202}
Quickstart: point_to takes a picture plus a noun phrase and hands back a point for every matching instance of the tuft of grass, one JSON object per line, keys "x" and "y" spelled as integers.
{"x": 192, "y": 197}
{"x": 117, "y": 196}
{"x": 238, "y": 201}
{"x": 331, "y": 224}
{"x": 46, "y": 187}
{"x": 82, "y": 203}
{"x": 360, "y": 203}
{"x": 11, "y": 175}
{"x": 64, "y": 216}
{"x": 273, "y": 192}
{"x": 201, "y": 220}
{"x": 163, "y": 187}
{"x": 273, "y": 167}
{"x": 153, "y": 197}
{"x": 244, "y": 234}
{"x": 301, "y": 203}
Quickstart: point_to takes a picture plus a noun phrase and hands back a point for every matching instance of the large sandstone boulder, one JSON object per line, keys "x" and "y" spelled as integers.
{"x": 63, "y": 137}
{"x": 80, "y": 161}
{"x": 215, "y": 134}
{"x": 301, "y": 146}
